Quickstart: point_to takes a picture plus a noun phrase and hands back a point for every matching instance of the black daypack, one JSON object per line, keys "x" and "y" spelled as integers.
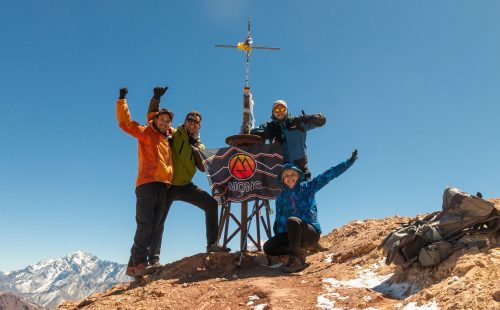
{"x": 432, "y": 239}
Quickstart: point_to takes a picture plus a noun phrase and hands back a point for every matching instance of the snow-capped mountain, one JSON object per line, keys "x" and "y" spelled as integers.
{"x": 9, "y": 301}
{"x": 72, "y": 277}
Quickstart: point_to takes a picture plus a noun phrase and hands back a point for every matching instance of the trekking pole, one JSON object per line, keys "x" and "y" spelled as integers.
{"x": 245, "y": 242}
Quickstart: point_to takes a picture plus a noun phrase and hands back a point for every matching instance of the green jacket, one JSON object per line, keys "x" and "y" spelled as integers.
{"x": 184, "y": 157}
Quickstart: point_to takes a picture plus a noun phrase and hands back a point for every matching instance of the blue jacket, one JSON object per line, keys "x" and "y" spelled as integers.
{"x": 290, "y": 132}
{"x": 300, "y": 201}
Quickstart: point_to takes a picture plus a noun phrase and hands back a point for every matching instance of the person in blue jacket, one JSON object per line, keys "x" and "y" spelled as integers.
{"x": 291, "y": 133}
{"x": 296, "y": 225}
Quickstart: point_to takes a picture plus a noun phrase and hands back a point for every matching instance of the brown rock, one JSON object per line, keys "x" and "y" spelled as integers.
{"x": 496, "y": 296}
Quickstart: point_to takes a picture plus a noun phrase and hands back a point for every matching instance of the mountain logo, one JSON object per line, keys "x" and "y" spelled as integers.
{"x": 242, "y": 166}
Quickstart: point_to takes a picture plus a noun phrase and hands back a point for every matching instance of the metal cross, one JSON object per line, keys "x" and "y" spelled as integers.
{"x": 248, "y": 46}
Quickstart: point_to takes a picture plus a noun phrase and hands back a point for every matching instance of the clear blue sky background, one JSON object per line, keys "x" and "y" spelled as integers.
{"x": 413, "y": 85}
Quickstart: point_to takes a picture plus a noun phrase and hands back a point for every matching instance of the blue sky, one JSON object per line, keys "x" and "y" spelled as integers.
{"x": 413, "y": 85}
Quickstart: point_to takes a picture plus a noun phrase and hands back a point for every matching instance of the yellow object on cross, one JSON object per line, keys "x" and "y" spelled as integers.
{"x": 243, "y": 46}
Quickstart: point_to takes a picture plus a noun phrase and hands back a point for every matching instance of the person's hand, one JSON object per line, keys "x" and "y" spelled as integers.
{"x": 123, "y": 92}
{"x": 317, "y": 119}
{"x": 195, "y": 149}
{"x": 354, "y": 156}
{"x": 159, "y": 91}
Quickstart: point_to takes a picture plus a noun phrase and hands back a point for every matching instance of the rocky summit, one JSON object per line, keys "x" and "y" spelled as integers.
{"x": 348, "y": 272}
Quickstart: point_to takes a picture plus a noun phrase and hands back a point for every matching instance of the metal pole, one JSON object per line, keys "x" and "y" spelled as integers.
{"x": 247, "y": 228}
{"x": 244, "y": 230}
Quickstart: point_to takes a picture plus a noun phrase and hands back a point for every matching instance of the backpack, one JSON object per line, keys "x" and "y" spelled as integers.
{"x": 434, "y": 238}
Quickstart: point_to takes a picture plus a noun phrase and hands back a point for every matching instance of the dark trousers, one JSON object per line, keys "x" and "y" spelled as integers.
{"x": 302, "y": 164}
{"x": 194, "y": 195}
{"x": 299, "y": 235}
{"x": 149, "y": 212}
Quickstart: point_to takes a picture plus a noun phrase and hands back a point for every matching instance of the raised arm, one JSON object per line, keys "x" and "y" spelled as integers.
{"x": 154, "y": 104}
{"x": 324, "y": 178}
{"x": 311, "y": 121}
{"x": 123, "y": 116}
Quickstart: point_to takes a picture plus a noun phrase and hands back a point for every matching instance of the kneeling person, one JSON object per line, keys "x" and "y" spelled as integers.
{"x": 296, "y": 226}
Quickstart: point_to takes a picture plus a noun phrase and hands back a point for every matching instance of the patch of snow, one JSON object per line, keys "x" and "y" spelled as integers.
{"x": 327, "y": 301}
{"x": 250, "y": 302}
{"x": 328, "y": 258}
{"x": 368, "y": 278}
{"x": 251, "y": 298}
{"x": 323, "y": 302}
{"x": 452, "y": 279}
{"x": 367, "y": 298}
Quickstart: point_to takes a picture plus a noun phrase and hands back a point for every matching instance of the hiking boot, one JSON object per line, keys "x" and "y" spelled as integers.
{"x": 216, "y": 247}
{"x": 130, "y": 271}
{"x": 130, "y": 268}
{"x": 143, "y": 269}
{"x": 155, "y": 264}
{"x": 302, "y": 253}
{"x": 294, "y": 265}
{"x": 318, "y": 248}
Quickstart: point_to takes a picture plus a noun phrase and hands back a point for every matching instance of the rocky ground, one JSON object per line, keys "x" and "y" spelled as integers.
{"x": 349, "y": 273}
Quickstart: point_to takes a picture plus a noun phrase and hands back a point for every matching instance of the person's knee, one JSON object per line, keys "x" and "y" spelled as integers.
{"x": 267, "y": 248}
{"x": 293, "y": 222}
{"x": 213, "y": 203}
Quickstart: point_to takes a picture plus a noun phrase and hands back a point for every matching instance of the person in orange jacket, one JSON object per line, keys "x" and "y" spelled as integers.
{"x": 153, "y": 180}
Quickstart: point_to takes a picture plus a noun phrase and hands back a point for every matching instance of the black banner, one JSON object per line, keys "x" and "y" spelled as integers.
{"x": 244, "y": 173}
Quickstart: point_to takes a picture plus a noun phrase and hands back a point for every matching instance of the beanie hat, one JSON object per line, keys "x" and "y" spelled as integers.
{"x": 165, "y": 111}
{"x": 280, "y": 102}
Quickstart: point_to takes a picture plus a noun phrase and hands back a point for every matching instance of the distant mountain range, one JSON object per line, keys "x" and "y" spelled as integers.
{"x": 9, "y": 301}
{"x": 73, "y": 277}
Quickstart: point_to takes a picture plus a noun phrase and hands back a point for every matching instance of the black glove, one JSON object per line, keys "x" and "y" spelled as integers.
{"x": 354, "y": 156}
{"x": 159, "y": 91}
{"x": 123, "y": 92}
{"x": 317, "y": 119}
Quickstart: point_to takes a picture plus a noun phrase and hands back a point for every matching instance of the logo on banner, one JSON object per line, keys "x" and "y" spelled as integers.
{"x": 242, "y": 166}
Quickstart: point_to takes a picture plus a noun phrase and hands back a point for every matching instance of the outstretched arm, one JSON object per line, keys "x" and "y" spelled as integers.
{"x": 311, "y": 121}
{"x": 321, "y": 180}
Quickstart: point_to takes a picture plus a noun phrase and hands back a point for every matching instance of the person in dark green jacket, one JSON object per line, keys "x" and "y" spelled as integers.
{"x": 185, "y": 146}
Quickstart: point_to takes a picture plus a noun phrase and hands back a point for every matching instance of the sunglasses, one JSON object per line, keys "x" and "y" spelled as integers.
{"x": 192, "y": 120}
{"x": 279, "y": 110}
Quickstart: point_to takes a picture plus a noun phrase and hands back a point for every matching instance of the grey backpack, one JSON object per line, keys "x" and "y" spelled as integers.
{"x": 432, "y": 239}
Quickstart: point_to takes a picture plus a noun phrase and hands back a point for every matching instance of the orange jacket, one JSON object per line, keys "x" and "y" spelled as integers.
{"x": 154, "y": 154}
